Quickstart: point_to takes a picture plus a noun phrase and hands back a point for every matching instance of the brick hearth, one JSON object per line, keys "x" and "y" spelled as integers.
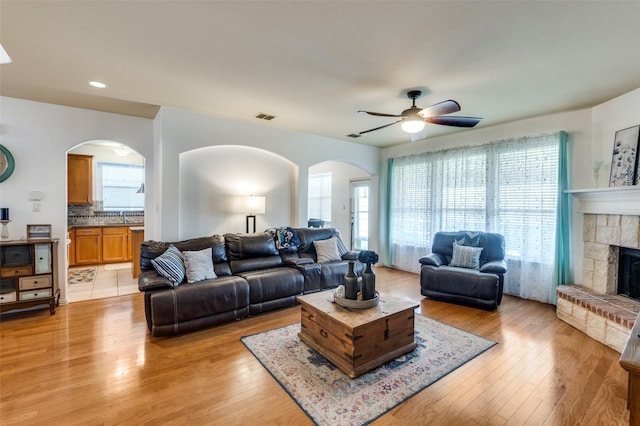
{"x": 606, "y": 318}
{"x": 594, "y": 307}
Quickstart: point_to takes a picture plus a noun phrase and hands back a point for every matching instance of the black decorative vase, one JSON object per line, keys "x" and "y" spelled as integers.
{"x": 350, "y": 283}
{"x": 368, "y": 283}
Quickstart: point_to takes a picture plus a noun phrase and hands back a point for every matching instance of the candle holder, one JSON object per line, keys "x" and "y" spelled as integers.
{"x": 5, "y": 230}
{"x": 595, "y": 166}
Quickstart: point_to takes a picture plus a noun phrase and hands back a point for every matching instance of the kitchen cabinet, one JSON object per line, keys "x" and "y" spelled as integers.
{"x": 28, "y": 274}
{"x": 98, "y": 245}
{"x": 88, "y": 246}
{"x": 115, "y": 244}
{"x": 71, "y": 247}
{"x": 79, "y": 179}
{"x": 137, "y": 238}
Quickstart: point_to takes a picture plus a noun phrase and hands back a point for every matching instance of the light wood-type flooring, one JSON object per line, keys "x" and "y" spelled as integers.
{"x": 93, "y": 362}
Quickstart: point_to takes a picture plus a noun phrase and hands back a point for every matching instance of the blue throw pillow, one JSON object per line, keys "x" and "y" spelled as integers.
{"x": 170, "y": 265}
{"x": 286, "y": 239}
{"x": 468, "y": 238}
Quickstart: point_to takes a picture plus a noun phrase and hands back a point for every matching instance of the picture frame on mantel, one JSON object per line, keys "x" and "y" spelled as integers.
{"x": 624, "y": 162}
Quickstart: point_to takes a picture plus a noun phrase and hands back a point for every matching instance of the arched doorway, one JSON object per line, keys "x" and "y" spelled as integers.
{"x": 344, "y": 196}
{"x": 105, "y": 205}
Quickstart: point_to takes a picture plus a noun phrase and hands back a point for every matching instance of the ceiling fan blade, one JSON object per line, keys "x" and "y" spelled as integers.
{"x": 379, "y": 114}
{"x": 442, "y": 108}
{"x": 381, "y": 127}
{"x": 455, "y": 121}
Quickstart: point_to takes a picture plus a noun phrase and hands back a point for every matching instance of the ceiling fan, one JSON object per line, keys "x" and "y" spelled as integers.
{"x": 414, "y": 118}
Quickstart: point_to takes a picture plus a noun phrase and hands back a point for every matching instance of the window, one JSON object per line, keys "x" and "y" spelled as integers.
{"x": 509, "y": 187}
{"x": 120, "y": 183}
{"x": 320, "y": 196}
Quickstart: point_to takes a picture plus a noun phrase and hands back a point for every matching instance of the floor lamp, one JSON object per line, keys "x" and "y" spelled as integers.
{"x": 251, "y": 205}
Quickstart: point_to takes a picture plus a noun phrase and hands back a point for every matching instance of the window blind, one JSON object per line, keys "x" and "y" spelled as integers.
{"x": 120, "y": 183}
{"x": 319, "y": 205}
{"x": 509, "y": 187}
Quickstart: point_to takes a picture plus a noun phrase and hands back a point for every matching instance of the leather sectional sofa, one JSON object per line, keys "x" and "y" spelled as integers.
{"x": 479, "y": 285}
{"x": 254, "y": 275}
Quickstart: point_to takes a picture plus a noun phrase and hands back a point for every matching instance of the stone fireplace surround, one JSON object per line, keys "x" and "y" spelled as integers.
{"x": 594, "y": 307}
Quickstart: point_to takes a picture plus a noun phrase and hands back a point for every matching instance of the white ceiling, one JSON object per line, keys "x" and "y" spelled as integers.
{"x": 313, "y": 64}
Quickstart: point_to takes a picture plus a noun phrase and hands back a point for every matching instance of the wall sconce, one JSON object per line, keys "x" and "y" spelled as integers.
{"x": 251, "y": 205}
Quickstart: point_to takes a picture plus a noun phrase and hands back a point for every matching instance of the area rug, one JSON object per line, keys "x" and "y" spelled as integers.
{"x": 82, "y": 275}
{"x": 117, "y": 266}
{"x": 330, "y": 397}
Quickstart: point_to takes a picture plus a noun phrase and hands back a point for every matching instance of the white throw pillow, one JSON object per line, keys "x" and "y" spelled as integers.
{"x": 465, "y": 256}
{"x": 199, "y": 265}
{"x": 327, "y": 250}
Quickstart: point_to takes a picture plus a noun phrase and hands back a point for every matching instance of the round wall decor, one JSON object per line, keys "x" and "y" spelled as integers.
{"x": 7, "y": 164}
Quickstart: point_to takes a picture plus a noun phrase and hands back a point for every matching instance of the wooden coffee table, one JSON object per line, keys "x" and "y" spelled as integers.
{"x": 357, "y": 340}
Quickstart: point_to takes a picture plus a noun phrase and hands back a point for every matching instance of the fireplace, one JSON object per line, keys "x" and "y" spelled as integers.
{"x": 593, "y": 305}
{"x": 629, "y": 272}
{"x": 611, "y": 222}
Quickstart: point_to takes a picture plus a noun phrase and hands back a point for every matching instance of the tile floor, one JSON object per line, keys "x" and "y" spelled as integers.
{"x": 107, "y": 284}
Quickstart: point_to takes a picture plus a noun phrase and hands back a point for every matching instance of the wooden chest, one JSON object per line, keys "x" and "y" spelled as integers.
{"x": 357, "y": 340}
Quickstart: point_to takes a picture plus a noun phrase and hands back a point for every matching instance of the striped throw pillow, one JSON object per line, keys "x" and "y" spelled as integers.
{"x": 466, "y": 257}
{"x": 170, "y": 265}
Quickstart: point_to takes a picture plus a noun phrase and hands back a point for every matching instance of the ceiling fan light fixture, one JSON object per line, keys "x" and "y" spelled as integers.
{"x": 412, "y": 125}
{"x": 121, "y": 151}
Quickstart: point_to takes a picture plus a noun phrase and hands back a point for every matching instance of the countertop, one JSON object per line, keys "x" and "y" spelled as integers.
{"x": 133, "y": 226}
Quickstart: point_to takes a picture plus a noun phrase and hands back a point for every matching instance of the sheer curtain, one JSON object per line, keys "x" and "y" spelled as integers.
{"x": 509, "y": 186}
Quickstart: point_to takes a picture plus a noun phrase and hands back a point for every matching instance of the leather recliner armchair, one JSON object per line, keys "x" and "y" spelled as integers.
{"x": 480, "y": 288}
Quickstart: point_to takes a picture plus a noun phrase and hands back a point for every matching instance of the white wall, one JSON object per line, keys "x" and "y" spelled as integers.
{"x": 39, "y": 136}
{"x": 212, "y": 177}
{"x": 606, "y": 119}
{"x": 179, "y": 132}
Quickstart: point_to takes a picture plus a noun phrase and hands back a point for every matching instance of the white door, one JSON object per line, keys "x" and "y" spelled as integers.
{"x": 360, "y": 214}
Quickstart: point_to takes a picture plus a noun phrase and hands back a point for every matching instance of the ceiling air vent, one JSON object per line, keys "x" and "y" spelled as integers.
{"x": 354, "y": 135}
{"x": 267, "y": 117}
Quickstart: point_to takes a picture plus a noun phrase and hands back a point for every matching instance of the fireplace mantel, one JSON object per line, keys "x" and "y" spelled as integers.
{"x": 623, "y": 200}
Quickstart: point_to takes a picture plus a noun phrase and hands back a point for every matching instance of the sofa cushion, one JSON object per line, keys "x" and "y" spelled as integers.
{"x": 170, "y": 265}
{"x": 327, "y": 250}
{"x": 309, "y": 235}
{"x": 151, "y": 249}
{"x": 198, "y": 265}
{"x": 244, "y": 246}
{"x": 465, "y": 257}
{"x": 460, "y": 285}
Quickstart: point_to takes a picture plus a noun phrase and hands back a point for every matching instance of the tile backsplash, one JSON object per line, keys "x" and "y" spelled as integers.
{"x": 94, "y": 215}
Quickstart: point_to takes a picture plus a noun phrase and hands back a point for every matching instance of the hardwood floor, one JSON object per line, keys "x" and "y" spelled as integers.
{"x": 94, "y": 362}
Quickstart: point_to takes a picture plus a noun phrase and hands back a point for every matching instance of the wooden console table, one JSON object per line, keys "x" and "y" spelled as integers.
{"x": 29, "y": 274}
{"x": 630, "y": 361}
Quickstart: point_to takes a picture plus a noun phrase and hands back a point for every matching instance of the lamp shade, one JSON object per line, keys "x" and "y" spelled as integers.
{"x": 251, "y": 204}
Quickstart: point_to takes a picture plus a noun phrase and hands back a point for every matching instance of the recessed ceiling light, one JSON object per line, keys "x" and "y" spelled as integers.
{"x": 97, "y": 84}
